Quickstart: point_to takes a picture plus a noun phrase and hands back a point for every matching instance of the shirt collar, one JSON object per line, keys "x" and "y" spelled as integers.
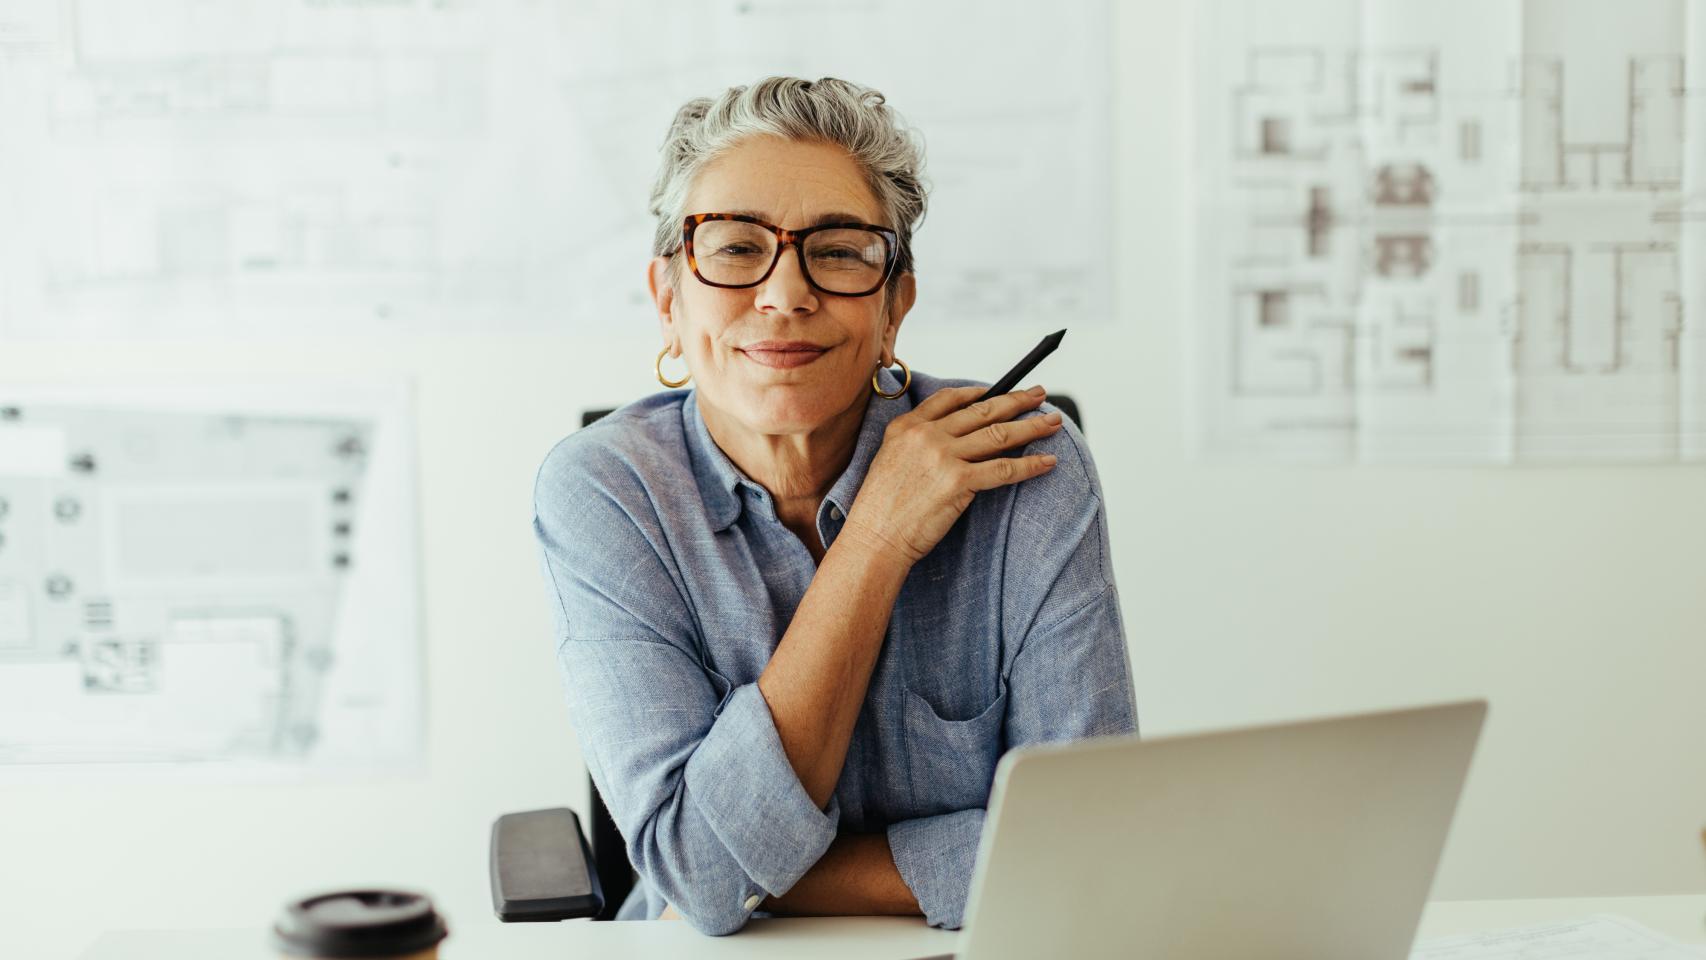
{"x": 720, "y": 480}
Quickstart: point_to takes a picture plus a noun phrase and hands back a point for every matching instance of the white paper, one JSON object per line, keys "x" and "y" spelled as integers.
{"x": 1599, "y": 937}
{"x": 180, "y": 168}
{"x": 221, "y": 576}
{"x": 1452, "y": 231}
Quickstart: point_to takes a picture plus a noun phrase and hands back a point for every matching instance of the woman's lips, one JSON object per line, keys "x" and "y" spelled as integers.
{"x": 784, "y": 358}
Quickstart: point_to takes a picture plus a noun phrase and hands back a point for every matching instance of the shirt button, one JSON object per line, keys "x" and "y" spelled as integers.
{"x": 835, "y": 513}
{"x": 752, "y": 902}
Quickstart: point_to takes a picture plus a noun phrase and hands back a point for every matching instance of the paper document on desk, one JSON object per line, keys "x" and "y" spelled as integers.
{"x": 1601, "y": 937}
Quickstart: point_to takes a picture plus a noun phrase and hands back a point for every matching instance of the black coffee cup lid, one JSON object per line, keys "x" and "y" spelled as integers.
{"x": 359, "y": 923}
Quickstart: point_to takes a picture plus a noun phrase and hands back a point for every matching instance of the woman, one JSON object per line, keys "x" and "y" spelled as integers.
{"x": 803, "y": 606}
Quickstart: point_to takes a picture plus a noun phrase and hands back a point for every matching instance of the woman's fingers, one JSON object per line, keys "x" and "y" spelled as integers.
{"x": 1005, "y": 435}
{"x": 984, "y": 412}
{"x": 945, "y": 401}
{"x": 1002, "y": 471}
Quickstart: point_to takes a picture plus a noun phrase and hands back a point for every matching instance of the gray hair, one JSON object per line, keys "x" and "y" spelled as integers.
{"x": 851, "y": 116}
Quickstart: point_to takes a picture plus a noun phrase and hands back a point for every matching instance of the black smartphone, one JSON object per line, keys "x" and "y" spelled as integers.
{"x": 1011, "y": 378}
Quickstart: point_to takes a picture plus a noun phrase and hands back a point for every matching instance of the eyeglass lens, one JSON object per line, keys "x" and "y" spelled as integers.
{"x": 842, "y": 260}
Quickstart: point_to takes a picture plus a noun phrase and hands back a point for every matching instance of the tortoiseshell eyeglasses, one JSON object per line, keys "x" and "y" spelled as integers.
{"x": 733, "y": 250}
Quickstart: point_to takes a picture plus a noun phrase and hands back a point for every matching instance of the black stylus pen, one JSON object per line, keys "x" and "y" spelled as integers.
{"x": 1011, "y": 378}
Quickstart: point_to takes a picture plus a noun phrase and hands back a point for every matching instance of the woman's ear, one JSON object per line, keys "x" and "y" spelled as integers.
{"x": 662, "y": 287}
{"x": 899, "y": 303}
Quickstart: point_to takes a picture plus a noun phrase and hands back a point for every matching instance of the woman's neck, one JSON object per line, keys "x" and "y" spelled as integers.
{"x": 797, "y": 468}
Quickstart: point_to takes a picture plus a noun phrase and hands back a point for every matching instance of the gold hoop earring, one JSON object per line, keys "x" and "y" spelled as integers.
{"x": 658, "y": 369}
{"x": 907, "y": 383}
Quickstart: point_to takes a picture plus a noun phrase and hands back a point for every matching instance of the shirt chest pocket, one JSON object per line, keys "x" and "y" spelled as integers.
{"x": 952, "y": 762}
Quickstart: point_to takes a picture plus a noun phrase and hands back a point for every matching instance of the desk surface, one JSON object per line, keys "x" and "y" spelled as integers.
{"x": 1681, "y": 917}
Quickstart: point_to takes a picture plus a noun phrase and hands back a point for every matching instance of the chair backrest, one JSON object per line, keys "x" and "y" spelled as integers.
{"x": 615, "y": 873}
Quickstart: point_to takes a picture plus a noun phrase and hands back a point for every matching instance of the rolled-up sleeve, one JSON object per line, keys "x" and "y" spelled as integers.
{"x": 692, "y": 769}
{"x": 935, "y": 856}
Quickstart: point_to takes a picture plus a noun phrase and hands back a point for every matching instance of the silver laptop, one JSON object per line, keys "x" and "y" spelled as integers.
{"x": 1313, "y": 840}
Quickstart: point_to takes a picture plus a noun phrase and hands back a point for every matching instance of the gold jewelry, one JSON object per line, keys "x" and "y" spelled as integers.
{"x": 890, "y": 396}
{"x": 658, "y": 369}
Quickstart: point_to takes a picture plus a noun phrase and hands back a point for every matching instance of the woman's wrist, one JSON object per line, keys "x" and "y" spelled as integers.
{"x": 870, "y": 547}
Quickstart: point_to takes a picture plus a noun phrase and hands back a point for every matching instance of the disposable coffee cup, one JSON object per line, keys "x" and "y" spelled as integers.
{"x": 352, "y": 924}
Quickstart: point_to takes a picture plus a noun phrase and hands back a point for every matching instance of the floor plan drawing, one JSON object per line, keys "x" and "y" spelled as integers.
{"x": 178, "y": 585}
{"x": 1450, "y": 231}
{"x": 250, "y": 168}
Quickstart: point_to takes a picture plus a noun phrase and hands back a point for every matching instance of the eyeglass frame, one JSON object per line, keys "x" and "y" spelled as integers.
{"x": 784, "y": 238}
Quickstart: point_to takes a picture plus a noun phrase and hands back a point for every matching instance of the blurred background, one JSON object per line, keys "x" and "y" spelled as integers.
{"x": 1384, "y": 318}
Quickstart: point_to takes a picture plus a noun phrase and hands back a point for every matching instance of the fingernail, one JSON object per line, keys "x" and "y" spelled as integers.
{"x": 1052, "y": 418}
{"x": 1049, "y": 459}
{"x": 1037, "y": 391}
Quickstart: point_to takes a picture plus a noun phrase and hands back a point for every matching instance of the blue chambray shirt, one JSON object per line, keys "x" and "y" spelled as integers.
{"x": 671, "y": 580}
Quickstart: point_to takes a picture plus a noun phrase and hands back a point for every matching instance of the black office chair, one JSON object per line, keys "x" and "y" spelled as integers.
{"x": 543, "y": 869}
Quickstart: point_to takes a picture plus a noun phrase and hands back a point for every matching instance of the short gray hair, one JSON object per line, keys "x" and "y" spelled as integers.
{"x": 828, "y": 110}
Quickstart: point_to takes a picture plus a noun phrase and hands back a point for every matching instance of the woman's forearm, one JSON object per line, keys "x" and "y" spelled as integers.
{"x": 855, "y": 876}
{"x": 816, "y": 680}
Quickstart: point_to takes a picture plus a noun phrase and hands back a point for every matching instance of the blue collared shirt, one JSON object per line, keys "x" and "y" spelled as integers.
{"x": 671, "y": 580}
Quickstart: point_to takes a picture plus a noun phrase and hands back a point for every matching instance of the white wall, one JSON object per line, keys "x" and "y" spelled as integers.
{"x": 1573, "y": 598}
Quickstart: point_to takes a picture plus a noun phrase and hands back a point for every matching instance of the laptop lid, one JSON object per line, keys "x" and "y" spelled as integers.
{"x": 1311, "y": 840}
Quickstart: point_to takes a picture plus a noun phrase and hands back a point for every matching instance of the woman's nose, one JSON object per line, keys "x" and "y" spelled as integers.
{"x": 787, "y": 289}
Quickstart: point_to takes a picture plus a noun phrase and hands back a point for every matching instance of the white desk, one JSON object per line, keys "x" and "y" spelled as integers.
{"x": 825, "y": 938}
{"x": 1682, "y": 917}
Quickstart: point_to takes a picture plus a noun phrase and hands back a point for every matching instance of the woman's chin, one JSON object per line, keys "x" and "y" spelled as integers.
{"x": 796, "y": 414}
{"x": 785, "y": 423}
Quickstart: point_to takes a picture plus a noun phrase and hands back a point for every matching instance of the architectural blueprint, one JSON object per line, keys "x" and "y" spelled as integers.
{"x": 1452, "y": 231}
{"x": 181, "y": 581}
{"x": 252, "y": 167}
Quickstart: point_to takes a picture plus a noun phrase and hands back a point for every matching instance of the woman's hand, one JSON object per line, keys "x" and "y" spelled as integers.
{"x": 935, "y": 458}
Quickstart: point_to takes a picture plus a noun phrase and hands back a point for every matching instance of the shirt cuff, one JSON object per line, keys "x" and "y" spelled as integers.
{"x": 747, "y": 791}
{"x": 935, "y": 856}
